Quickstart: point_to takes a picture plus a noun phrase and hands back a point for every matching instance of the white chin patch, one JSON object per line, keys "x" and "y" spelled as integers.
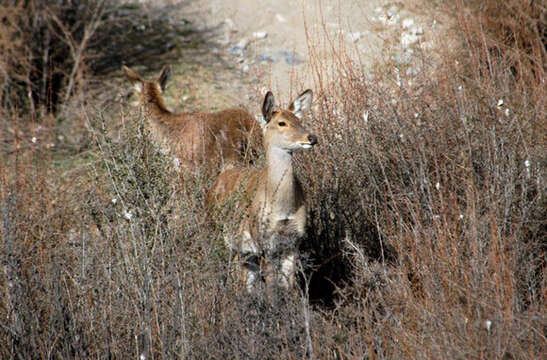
{"x": 306, "y": 146}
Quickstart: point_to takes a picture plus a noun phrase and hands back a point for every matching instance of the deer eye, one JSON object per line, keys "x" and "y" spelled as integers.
{"x": 281, "y": 123}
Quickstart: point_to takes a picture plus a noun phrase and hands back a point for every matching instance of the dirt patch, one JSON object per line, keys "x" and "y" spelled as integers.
{"x": 266, "y": 45}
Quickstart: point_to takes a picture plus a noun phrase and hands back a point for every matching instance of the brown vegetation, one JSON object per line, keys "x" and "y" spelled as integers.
{"x": 50, "y": 49}
{"x": 426, "y": 226}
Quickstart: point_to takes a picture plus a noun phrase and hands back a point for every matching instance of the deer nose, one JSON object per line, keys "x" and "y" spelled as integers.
{"x": 312, "y": 139}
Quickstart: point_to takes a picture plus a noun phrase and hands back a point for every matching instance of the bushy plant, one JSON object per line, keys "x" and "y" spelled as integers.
{"x": 430, "y": 188}
{"x": 426, "y": 230}
{"x": 51, "y": 51}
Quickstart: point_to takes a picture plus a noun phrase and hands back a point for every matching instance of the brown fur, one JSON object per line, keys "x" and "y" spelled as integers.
{"x": 207, "y": 140}
{"x": 270, "y": 200}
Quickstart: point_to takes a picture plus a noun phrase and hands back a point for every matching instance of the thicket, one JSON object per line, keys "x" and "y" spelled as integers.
{"x": 52, "y": 51}
{"x": 426, "y": 230}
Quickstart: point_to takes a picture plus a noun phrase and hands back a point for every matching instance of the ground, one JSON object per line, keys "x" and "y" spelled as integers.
{"x": 260, "y": 45}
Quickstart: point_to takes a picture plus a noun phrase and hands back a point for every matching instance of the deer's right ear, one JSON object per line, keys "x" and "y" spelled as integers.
{"x": 164, "y": 77}
{"x": 302, "y": 103}
{"x": 267, "y": 107}
{"x": 135, "y": 79}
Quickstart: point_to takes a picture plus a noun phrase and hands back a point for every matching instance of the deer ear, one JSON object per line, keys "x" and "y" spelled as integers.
{"x": 164, "y": 77}
{"x": 267, "y": 107}
{"x": 302, "y": 103}
{"x": 135, "y": 79}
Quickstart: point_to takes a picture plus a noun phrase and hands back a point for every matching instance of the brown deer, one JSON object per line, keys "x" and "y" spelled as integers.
{"x": 270, "y": 201}
{"x": 196, "y": 139}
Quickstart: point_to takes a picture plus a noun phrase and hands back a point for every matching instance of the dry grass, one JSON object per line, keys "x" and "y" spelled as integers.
{"x": 426, "y": 230}
{"x": 52, "y": 53}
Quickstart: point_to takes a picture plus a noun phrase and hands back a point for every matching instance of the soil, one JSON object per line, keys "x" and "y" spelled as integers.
{"x": 259, "y": 45}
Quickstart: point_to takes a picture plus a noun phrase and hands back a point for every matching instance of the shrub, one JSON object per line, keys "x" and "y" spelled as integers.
{"x": 53, "y": 50}
{"x": 426, "y": 230}
{"x": 429, "y": 202}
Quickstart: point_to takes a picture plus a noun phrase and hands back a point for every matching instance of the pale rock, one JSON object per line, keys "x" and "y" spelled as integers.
{"x": 393, "y": 19}
{"x": 393, "y": 11}
{"x": 280, "y": 18}
{"x": 408, "y": 39}
{"x": 393, "y": 15}
{"x": 407, "y": 23}
{"x": 229, "y": 23}
{"x": 242, "y": 44}
{"x": 383, "y": 19}
{"x": 354, "y": 37}
{"x": 258, "y": 35}
{"x": 417, "y": 30}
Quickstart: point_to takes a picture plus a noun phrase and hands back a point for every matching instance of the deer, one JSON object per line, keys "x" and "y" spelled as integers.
{"x": 196, "y": 139}
{"x": 270, "y": 201}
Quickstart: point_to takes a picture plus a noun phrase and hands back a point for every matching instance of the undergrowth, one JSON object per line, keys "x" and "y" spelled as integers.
{"x": 426, "y": 230}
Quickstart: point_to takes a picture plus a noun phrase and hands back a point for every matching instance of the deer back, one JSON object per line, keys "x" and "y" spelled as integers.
{"x": 197, "y": 139}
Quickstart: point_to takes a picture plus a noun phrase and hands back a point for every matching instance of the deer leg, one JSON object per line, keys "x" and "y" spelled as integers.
{"x": 250, "y": 271}
{"x": 286, "y": 273}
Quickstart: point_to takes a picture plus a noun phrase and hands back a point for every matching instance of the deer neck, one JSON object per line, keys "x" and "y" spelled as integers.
{"x": 154, "y": 105}
{"x": 280, "y": 186}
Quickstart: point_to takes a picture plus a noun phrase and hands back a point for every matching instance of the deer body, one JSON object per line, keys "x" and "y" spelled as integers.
{"x": 271, "y": 200}
{"x": 209, "y": 139}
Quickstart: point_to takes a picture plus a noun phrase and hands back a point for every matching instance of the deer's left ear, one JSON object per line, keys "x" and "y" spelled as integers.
{"x": 302, "y": 103}
{"x": 267, "y": 107}
{"x": 164, "y": 77}
{"x": 135, "y": 79}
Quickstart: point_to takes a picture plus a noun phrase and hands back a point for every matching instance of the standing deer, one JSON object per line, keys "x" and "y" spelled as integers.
{"x": 209, "y": 139}
{"x": 271, "y": 201}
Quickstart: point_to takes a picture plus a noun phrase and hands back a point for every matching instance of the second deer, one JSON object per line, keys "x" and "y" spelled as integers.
{"x": 197, "y": 139}
{"x": 271, "y": 201}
